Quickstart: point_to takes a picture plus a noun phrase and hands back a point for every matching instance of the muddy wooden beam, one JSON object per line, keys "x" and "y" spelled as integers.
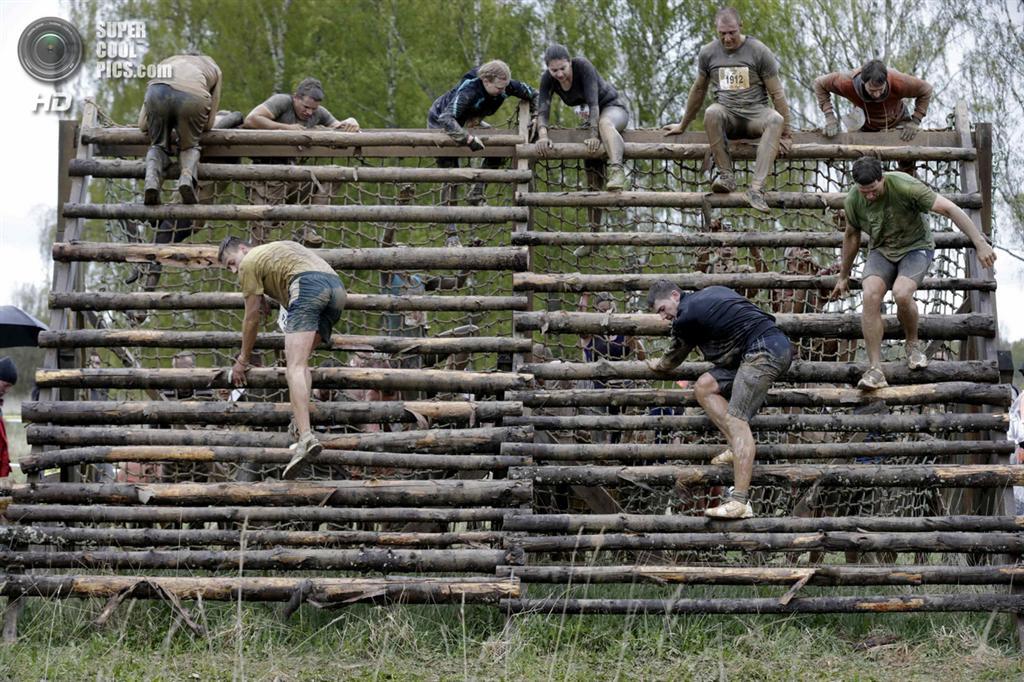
{"x": 664, "y": 523}
{"x": 804, "y": 372}
{"x": 842, "y": 475}
{"x": 120, "y": 168}
{"x": 819, "y": 325}
{"x": 698, "y": 200}
{"x": 629, "y": 452}
{"x": 843, "y": 423}
{"x": 432, "y": 493}
{"x": 963, "y": 392}
{"x": 66, "y": 513}
{"x": 669, "y": 149}
{"x": 222, "y": 412}
{"x": 450, "y": 441}
{"x": 255, "y": 456}
{"x": 334, "y": 591}
{"x": 809, "y": 240}
{"x": 166, "y": 300}
{"x": 768, "y": 575}
{"x": 280, "y": 559}
{"x": 306, "y": 138}
{"x": 147, "y": 338}
{"x": 436, "y": 380}
{"x": 203, "y": 256}
{"x": 575, "y": 282}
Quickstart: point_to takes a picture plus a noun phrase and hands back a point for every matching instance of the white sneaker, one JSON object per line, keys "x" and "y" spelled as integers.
{"x": 916, "y": 359}
{"x": 724, "y": 457}
{"x": 730, "y": 509}
{"x": 308, "y": 447}
{"x": 872, "y": 380}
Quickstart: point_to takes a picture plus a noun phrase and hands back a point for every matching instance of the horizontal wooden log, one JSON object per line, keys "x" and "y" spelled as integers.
{"x": 1009, "y": 603}
{"x": 963, "y": 392}
{"x": 842, "y": 423}
{"x": 840, "y": 541}
{"x": 60, "y": 536}
{"x": 435, "y": 380}
{"x": 305, "y": 138}
{"x": 803, "y": 372}
{"x": 575, "y": 282}
{"x": 672, "y": 148}
{"x": 120, "y": 168}
{"x": 821, "y": 325}
{"x": 838, "y": 475}
{"x": 224, "y": 412}
{"x": 698, "y": 200}
{"x": 768, "y": 575}
{"x": 874, "y": 141}
{"x": 203, "y": 256}
{"x": 630, "y": 452}
{"x": 166, "y": 300}
{"x": 666, "y": 523}
{"x": 344, "y": 458}
{"x": 432, "y": 493}
{"x": 316, "y": 590}
{"x": 766, "y": 239}
{"x": 451, "y": 441}
{"x": 280, "y": 559}
{"x": 68, "y": 513}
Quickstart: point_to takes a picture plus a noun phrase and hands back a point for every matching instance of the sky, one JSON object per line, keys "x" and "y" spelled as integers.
{"x": 28, "y": 175}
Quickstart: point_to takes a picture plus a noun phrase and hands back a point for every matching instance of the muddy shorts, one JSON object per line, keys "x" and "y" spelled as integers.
{"x": 315, "y": 302}
{"x": 747, "y": 385}
{"x": 914, "y": 265}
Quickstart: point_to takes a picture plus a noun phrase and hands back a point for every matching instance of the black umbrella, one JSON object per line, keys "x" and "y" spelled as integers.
{"x": 18, "y": 328}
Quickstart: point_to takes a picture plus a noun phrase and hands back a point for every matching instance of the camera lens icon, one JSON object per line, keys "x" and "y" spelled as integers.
{"x": 50, "y": 49}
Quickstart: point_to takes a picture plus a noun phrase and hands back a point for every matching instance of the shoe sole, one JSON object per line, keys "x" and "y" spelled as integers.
{"x": 292, "y": 469}
{"x": 865, "y": 386}
{"x": 188, "y": 194}
{"x": 728, "y": 518}
{"x": 151, "y": 197}
{"x": 765, "y": 208}
{"x": 722, "y": 189}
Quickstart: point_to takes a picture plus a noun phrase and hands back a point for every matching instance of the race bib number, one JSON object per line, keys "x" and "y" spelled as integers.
{"x": 733, "y": 78}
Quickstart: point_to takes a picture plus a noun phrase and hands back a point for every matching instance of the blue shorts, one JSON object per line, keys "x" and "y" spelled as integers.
{"x": 315, "y": 302}
{"x": 747, "y": 386}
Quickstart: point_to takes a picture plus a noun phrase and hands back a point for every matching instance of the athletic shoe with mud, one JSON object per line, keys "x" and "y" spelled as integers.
{"x": 755, "y": 197}
{"x": 311, "y": 238}
{"x": 307, "y": 449}
{"x": 724, "y": 183}
{"x": 724, "y": 457}
{"x": 916, "y": 359}
{"x": 475, "y": 196}
{"x": 729, "y": 510}
{"x": 616, "y": 181}
{"x": 872, "y": 380}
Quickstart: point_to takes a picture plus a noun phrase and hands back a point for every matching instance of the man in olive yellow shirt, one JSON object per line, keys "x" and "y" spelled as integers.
{"x": 307, "y": 286}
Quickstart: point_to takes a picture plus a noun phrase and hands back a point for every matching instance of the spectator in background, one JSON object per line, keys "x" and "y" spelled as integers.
{"x": 8, "y": 377}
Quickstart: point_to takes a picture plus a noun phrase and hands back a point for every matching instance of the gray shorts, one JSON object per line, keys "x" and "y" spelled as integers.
{"x": 747, "y": 386}
{"x": 914, "y": 265}
{"x": 315, "y": 302}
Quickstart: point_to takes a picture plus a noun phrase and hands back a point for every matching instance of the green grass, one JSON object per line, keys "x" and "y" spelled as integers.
{"x": 59, "y": 642}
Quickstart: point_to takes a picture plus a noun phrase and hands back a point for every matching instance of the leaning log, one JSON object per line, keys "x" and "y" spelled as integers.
{"x": 1011, "y": 603}
{"x": 452, "y": 441}
{"x": 122, "y": 168}
{"x": 224, "y": 412}
{"x": 105, "y": 454}
{"x": 315, "y": 590}
{"x": 807, "y": 240}
{"x": 575, "y": 282}
{"x": 803, "y": 372}
{"x": 698, "y": 200}
{"x": 167, "y": 300}
{"x": 440, "y": 381}
{"x": 145, "y": 338}
{"x": 843, "y": 423}
{"x": 674, "y": 150}
{"x": 822, "y": 325}
{"x": 633, "y": 452}
{"x": 203, "y": 256}
{"x": 432, "y": 493}
{"x": 962, "y": 392}
{"x": 838, "y": 475}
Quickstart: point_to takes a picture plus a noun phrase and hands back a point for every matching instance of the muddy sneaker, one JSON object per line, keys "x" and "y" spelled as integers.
{"x": 724, "y": 457}
{"x": 616, "y": 181}
{"x": 475, "y": 196}
{"x": 730, "y": 509}
{"x": 724, "y": 183}
{"x": 872, "y": 380}
{"x": 311, "y": 238}
{"x": 306, "y": 449}
{"x": 916, "y": 359}
{"x": 755, "y": 197}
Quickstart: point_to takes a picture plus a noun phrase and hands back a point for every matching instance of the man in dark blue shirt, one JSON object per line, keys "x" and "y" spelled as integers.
{"x": 749, "y": 353}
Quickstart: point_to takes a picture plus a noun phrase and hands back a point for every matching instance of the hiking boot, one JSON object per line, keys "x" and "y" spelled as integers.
{"x": 310, "y": 237}
{"x": 188, "y": 181}
{"x": 916, "y": 359}
{"x": 724, "y": 183}
{"x": 156, "y": 164}
{"x": 616, "y": 181}
{"x": 755, "y": 197}
{"x": 724, "y": 457}
{"x": 306, "y": 449}
{"x": 872, "y": 380}
{"x": 475, "y": 196}
{"x": 730, "y": 509}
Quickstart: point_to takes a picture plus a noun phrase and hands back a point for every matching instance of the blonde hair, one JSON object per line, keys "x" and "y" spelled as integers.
{"x": 494, "y": 70}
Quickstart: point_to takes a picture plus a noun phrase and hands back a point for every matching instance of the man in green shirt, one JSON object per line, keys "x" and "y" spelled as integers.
{"x": 891, "y": 208}
{"x": 304, "y": 283}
